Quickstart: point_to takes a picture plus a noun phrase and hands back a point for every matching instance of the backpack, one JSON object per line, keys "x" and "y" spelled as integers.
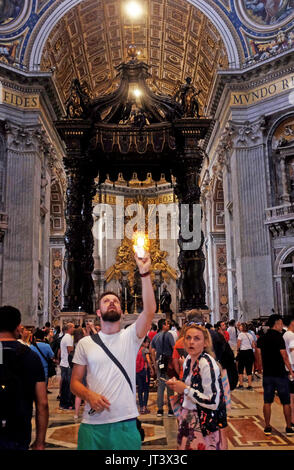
{"x": 140, "y": 363}
{"x": 13, "y": 407}
{"x": 55, "y": 345}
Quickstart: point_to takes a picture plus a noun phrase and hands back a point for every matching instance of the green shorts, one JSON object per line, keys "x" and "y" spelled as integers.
{"x": 111, "y": 436}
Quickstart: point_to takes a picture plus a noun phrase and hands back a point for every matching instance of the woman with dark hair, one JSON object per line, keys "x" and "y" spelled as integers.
{"x": 245, "y": 347}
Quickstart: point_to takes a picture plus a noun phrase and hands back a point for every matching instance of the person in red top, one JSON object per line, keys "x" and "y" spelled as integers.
{"x": 179, "y": 353}
{"x": 152, "y": 332}
{"x": 222, "y": 329}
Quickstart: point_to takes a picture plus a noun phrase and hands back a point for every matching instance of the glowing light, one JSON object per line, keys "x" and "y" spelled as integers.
{"x": 134, "y": 9}
{"x": 137, "y": 92}
{"x": 140, "y": 244}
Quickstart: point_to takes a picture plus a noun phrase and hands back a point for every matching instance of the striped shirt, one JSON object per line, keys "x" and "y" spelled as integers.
{"x": 205, "y": 381}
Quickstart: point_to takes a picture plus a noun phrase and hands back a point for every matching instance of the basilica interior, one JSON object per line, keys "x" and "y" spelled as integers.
{"x": 166, "y": 104}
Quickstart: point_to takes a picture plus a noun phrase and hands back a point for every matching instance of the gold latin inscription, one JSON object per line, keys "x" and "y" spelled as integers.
{"x": 266, "y": 91}
{"x": 20, "y": 100}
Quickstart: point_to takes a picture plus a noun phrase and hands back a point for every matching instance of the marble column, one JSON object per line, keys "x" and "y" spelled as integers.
{"x": 21, "y": 242}
{"x": 251, "y": 237}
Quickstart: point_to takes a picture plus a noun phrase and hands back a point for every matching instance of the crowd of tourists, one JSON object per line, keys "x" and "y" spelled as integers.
{"x": 102, "y": 366}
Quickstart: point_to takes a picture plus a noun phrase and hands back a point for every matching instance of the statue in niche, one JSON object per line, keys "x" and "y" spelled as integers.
{"x": 165, "y": 300}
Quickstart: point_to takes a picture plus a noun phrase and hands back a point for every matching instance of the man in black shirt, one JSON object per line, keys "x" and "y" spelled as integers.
{"x": 272, "y": 350}
{"x": 22, "y": 381}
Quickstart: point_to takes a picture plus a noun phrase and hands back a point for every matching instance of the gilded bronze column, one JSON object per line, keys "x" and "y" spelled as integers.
{"x": 87, "y": 260}
{"x": 191, "y": 260}
{"x": 72, "y": 239}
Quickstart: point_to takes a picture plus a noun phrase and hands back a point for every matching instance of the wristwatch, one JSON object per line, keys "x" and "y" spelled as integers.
{"x": 186, "y": 391}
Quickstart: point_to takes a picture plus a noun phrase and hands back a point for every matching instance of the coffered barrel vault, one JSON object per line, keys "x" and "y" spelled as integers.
{"x": 175, "y": 38}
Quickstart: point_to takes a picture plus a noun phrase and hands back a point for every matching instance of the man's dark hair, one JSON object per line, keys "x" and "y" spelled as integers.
{"x": 47, "y": 324}
{"x": 161, "y": 324}
{"x": 232, "y": 322}
{"x": 272, "y": 320}
{"x": 10, "y": 318}
{"x": 109, "y": 292}
{"x": 39, "y": 334}
{"x": 153, "y": 327}
{"x": 287, "y": 320}
{"x": 208, "y": 326}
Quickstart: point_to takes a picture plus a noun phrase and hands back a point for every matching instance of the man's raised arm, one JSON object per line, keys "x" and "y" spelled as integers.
{"x": 143, "y": 324}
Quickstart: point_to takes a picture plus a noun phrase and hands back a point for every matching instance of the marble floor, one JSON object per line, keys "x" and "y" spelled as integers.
{"x": 245, "y": 424}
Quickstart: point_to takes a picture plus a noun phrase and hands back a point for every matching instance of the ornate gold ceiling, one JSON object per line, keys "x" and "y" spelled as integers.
{"x": 174, "y": 38}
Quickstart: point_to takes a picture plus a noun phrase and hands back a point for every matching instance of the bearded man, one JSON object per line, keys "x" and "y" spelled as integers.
{"x": 109, "y": 420}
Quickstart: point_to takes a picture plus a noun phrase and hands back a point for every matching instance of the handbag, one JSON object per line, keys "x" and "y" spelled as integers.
{"x": 96, "y": 338}
{"x": 176, "y": 404}
{"x": 51, "y": 365}
{"x": 226, "y": 387}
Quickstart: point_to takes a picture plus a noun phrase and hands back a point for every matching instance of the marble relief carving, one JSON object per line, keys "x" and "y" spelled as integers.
{"x": 56, "y": 281}
{"x": 221, "y": 258}
{"x": 248, "y": 134}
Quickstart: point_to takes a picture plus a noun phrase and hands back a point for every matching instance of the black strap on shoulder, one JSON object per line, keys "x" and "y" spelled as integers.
{"x": 162, "y": 343}
{"x": 35, "y": 344}
{"x": 96, "y": 338}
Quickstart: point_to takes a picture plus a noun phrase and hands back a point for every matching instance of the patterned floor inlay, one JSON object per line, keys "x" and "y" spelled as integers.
{"x": 238, "y": 404}
{"x": 247, "y": 431}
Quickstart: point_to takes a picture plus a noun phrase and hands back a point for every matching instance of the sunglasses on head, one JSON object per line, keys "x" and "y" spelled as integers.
{"x": 193, "y": 323}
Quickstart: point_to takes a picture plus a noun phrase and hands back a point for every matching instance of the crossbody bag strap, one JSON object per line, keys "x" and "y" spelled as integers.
{"x": 248, "y": 336}
{"x": 162, "y": 344}
{"x": 96, "y": 338}
{"x": 46, "y": 359}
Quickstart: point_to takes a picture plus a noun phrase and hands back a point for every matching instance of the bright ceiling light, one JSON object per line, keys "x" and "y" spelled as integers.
{"x": 134, "y": 9}
{"x": 137, "y": 92}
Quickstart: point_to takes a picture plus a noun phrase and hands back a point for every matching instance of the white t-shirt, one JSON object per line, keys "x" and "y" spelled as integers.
{"x": 174, "y": 332}
{"x": 67, "y": 340}
{"x": 246, "y": 341}
{"x": 105, "y": 378}
{"x": 233, "y": 332}
{"x": 289, "y": 341}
